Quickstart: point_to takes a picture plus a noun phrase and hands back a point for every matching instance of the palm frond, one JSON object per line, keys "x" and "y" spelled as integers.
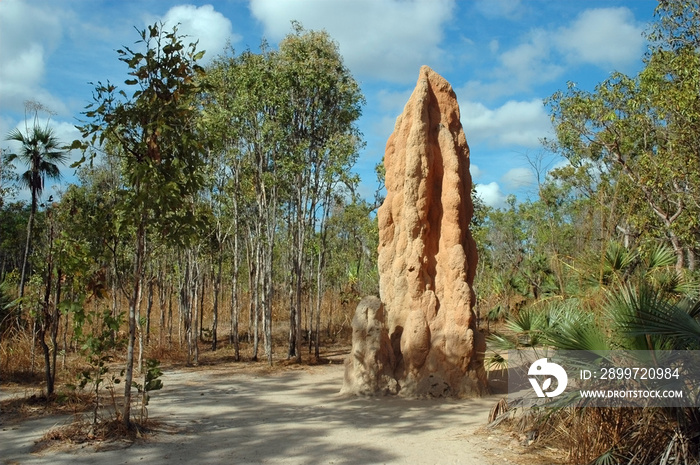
{"x": 606, "y": 458}
{"x": 526, "y": 320}
{"x": 576, "y": 330}
{"x": 497, "y": 313}
{"x": 500, "y": 343}
{"x": 662, "y": 256}
{"x": 495, "y": 361}
{"x": 672, "y": 282}
{"x": 691, "y": 306}
{"x": 16, "y": 135}
{"x": 618, "y": 258}
{"x": 645, "y": 311}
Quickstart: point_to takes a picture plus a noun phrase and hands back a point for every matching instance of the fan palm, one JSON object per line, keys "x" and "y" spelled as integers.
{"x": 643, "y": 313}
{"x": 41, "y": 152}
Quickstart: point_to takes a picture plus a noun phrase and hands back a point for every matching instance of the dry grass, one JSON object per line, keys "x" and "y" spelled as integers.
{"x": 104, "y": 435}
{"x": 634, "y": 436}
{"x": 16, "y": 359}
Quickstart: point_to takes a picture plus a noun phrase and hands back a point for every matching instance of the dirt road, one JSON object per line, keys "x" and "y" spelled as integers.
{"x": 215, "y": 416}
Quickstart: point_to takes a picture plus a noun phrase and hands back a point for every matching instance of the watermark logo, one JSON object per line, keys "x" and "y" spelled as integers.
{"x": 604, "y": 378}
{"x": 551, "y": 370}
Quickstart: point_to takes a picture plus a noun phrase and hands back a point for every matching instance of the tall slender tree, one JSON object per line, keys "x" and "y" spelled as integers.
{"x": 42, "y": 153}
{"x": 323, "y": 102}
{"x": 155, "y": 131}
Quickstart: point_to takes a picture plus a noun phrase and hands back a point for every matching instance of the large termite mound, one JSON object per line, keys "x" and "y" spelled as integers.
{"x": 427, "y": 258}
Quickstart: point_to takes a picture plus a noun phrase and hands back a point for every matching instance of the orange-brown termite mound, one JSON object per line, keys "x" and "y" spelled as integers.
{"x": 428, "y": 342}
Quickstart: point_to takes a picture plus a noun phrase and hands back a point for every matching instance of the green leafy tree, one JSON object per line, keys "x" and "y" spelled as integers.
{"x": 641, "y": 134}
{"x": 155, "y": 132}
{"x": 323, "y": 103}
{"x": 225, "y": 171}
{"x": 244, "y": 104}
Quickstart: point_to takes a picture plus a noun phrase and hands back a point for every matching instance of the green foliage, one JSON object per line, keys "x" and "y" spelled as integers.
{"x": 97, "y": 346}
{"x": 642, "y": 310}
{"x": 352, "y": 251}
{"x": 649, "y": 316}
{"x": 153, "y": 131}
{"x": 633, "y": 140}
{"x": 151, "y": 382}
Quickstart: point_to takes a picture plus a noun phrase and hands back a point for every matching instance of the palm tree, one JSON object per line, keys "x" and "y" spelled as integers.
{"x": 41, "y": 152}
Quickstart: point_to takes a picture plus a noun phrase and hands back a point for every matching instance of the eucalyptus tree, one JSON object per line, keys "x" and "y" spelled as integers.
{"x": 42, "y": 153}
{"x": 643, "y": 132}
{"x": 225, "y": 166}
{"x": 155, "y": 130}
{"x": 256, "y": 138}
{"x": 322, "y": 140}
{"x": 284, "y": 128}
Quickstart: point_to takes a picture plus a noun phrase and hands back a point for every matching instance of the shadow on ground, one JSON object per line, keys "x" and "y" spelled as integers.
{"x": 295, "y": 417}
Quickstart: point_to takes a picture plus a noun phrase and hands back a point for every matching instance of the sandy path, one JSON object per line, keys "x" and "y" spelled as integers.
{"x": 292, "y": 417}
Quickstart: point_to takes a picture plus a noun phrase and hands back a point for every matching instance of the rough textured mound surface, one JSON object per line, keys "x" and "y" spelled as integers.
{"x": 427, "y": 257}
{"x": 370, "y": 367}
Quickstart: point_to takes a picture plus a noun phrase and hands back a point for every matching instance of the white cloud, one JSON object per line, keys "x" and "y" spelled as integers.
{"x": 27, "y": 35}
{"x": 205, "y": 24}
{"x": 519, "y": 68}
{"x": 475, "y": 171}
{"x": 606, "y": 37}
{"x": 517, "y": 178}
{"x": 491, "y": 195}
{"x": 385, "y": 39}
{"x": 521, "y": 123}
{"x": 531, "y": 61}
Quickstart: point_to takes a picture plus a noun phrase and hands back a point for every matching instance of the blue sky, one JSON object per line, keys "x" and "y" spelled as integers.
{"x": 502, "y": 57}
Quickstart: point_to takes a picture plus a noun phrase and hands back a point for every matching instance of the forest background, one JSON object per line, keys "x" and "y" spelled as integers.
{"x": 217, "y": 209}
